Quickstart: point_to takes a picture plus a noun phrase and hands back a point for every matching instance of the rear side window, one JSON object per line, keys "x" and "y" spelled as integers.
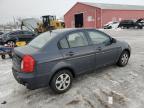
{"x": 63, "y": 43}
{"x": 115, "y": 22}
{"x": 41, "y": 40}
{"x": 77, "y": 39}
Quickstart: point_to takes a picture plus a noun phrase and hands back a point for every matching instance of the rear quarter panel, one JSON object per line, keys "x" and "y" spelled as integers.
{"x": 50, "y": 60}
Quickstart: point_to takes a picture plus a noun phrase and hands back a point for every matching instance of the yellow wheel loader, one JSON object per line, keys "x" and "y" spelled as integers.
{"x": 48, "y": 23}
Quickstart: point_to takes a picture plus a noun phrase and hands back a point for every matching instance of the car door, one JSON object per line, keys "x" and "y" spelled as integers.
{"x": 77, "y": 52}
{"x": 105, "y": 50}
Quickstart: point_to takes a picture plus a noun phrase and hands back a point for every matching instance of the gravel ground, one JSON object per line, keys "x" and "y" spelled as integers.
{"x": 95, "y": 90}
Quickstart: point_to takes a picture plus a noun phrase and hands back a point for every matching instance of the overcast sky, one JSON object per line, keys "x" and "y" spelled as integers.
{"x": 37, "y": 8}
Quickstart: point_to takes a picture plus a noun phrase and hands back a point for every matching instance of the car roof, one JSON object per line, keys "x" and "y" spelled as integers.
{"x": 60, "y": 32}
{"x": 21, "y": 30}
{"x": 71, "y": 29}
{"x": 17, "y": 31}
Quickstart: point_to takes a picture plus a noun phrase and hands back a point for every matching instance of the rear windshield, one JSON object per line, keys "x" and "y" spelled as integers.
{"x": 41, "y": 40}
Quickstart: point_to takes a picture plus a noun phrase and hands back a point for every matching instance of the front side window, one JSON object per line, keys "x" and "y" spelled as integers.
{"x": 77, "y": 39}
{"x": 98, "y": 38}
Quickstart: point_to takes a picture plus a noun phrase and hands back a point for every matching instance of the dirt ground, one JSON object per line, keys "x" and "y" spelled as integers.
{"x": 124, "y": 85}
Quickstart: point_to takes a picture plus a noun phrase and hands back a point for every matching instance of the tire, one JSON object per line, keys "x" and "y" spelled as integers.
{"x": 124, "y": 58}
{"x": 122, "y": 27}
{"x": 58, "y": 84}
{"x": 3, "y": 57}
{"x": 140, "y": 27}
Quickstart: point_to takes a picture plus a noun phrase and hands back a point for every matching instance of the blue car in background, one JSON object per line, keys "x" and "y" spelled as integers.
{"x": 20, "y": 35}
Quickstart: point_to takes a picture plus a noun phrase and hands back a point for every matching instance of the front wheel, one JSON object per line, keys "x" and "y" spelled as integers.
{"x": 124, "y": 58}
{"x": 61, "y": 82}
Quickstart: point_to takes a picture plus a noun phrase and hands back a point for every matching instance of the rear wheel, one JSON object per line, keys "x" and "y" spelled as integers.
{"x": 124, "y": 58}
{"x": 61, "y": 82}
{"x": 127, "y": 27}
{"x": 3, "y": 56}
{"x": 140, "y": 27}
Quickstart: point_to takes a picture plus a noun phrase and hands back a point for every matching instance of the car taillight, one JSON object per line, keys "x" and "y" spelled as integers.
{"x": 27, "y": 64}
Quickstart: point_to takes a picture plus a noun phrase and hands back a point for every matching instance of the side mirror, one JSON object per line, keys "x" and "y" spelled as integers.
{"x": 113, "y": 40}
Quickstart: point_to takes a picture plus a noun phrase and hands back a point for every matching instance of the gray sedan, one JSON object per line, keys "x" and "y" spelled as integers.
{"x": 56, "y": 57}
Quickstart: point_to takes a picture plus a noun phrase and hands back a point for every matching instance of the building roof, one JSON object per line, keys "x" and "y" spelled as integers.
{"x": 114, "y": 6}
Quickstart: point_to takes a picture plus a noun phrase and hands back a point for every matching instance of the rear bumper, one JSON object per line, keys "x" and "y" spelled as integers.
{"x": 30, "y": 80}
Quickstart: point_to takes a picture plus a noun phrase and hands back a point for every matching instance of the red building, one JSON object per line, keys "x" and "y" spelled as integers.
{"x": 84, "y": 14}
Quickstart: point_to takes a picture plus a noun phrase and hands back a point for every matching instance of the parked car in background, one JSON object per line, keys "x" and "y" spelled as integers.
{"x": 1, "y": 33}
{"x": 16, "y": 36}
{"x": 126, "y": 24}
{"x": 111, "y": 25}
{"x": 140, "y": 22}
{"x": 55, "y": 58}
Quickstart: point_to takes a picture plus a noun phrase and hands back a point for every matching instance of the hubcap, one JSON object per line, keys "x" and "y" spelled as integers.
{"x": 63, "y": 82}
{"x": 124, "y": 59}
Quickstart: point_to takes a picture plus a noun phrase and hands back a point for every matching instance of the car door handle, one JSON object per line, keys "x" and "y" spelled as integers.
{"x": 70, "y": 53}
